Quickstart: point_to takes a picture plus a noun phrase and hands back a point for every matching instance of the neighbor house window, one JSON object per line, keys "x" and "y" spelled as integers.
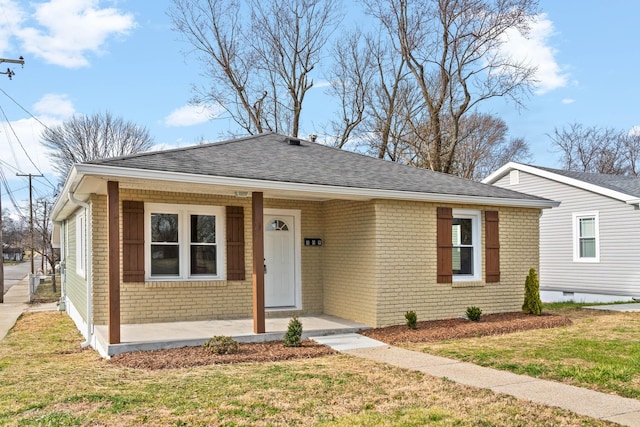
{"x": 184, "y": 241}
{"x": 466, "y": 252}
{"x": 586, "y": 241}
{"x": 81, "y": 244}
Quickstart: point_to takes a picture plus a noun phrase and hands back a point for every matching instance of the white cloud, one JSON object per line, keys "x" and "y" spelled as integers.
{"x": 12, "y": 18}
{"x": 634, "y": 131}
{"x": 190, "y": 115}
{"x": 66, "y": 31}
{"x": 535, "y": 50}
{"x": 568, "y": 101}
{"x": 55, "y": 105}
{"x": 25, "y": 148}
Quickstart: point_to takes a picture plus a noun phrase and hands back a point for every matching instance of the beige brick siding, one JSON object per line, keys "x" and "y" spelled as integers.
{"x": 350, "y": 260}
{"x": 199, "y": 300}
{"x": 378, "y": 260}
{"x": 406, "y": 273}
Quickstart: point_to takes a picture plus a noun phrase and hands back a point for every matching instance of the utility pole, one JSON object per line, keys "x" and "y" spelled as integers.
{"x": 10, "y": 74}
{"x": 31, "y": 176}
{"x": 1, "y": 253}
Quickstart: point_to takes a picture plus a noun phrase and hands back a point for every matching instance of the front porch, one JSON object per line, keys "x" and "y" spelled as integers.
{"x": 156, "y": 336}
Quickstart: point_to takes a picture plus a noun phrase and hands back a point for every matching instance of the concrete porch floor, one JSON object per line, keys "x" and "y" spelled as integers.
{"x": 157, "y": 336}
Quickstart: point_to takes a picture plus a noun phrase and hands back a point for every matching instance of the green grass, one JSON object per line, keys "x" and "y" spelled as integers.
{"x": 600, "y": 350}
{"x": 45, "y": 292}
{"x": 46, "y": 380}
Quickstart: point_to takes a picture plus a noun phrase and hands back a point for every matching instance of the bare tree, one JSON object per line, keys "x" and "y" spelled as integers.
{"x": 484, "y": 147}
{"x": 452, "y": 48}
{"x": 259, "y": 55}
{"x": 597, "y": 150}
{"x": 351, "y": 79}
{"x": 84, "y": 138}
{"x": 42, "y": 226}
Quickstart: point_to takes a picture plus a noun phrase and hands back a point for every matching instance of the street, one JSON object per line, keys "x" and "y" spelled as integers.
{"x": 14, "y": 273}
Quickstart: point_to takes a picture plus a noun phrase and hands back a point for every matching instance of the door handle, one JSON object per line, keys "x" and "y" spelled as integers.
{"x": 265, "y": 267}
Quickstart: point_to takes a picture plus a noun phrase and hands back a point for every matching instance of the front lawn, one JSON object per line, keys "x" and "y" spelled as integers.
{"x": 45, "y": 379}
{"x": 600, "y": 350}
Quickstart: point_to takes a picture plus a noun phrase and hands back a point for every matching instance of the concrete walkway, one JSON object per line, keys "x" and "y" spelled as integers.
{"x": 594, "y": 404}
{"x": 16, "y": 302}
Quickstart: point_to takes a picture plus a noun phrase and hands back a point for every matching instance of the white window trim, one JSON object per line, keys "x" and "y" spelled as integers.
{"x": 81, "y": 244}
{"x": 476, "y": 224}
{"x": 576, "y": 236}
{"x": 184, "y": 212}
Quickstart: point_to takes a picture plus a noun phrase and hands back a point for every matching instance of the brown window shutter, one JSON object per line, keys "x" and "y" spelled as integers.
{"x": 492, "y": 246}
{"x": 445, "y": 263}
{"x": 132, "y": 241}
{"x": 235, "y": 243}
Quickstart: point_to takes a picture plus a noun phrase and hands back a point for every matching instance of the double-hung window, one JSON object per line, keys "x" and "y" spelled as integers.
{"x": 184, "y": 242}
{"x": 81, "y": 243}
{"x": 586, "y": 239}
{"x": 465, "y": 238}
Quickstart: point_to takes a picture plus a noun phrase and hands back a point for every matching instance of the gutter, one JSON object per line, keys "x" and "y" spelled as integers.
{"x": 88, "y": 274}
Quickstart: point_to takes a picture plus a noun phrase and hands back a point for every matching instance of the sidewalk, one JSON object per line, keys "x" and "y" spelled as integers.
{"x": 16, "y": 302}
{"x": 594, "y": 404}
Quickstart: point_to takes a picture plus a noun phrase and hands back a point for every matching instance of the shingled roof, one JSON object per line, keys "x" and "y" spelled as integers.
{"x": 623, "y": 188}
{"x": 624, "y": 184}
{"x": 272, "y": 157}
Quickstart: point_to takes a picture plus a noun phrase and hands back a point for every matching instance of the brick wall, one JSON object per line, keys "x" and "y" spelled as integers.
{"x": 349, "y": 261}
{"x": 378, "y": 260}
{"x": 406, "y": 267}
{"x": 162, "y": 301}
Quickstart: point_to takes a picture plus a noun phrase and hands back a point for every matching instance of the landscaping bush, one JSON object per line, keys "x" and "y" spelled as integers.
{"x": 221, "y": 345}
{"x": 473, "y": 313}
{"x": 412, "y": 319}
{"x": 293, "y": 336}
{"x": 532, "y": 303}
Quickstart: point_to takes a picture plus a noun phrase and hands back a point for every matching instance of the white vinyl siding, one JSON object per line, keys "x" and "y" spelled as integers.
{"x": 617, "y": 271}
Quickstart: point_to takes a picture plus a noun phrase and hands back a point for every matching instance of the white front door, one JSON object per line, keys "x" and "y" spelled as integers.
{"x": 279, "y": 253}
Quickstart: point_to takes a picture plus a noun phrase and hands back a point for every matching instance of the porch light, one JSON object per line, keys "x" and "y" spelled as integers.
{"x": 242, "y": 194}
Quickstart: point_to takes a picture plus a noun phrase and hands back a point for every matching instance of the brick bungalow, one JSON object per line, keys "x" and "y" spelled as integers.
{"x": 269, "y": 225}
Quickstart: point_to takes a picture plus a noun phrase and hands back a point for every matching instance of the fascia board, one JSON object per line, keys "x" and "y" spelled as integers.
{"x": 117, "y": 172}
{"x": 62, "y": 196}
{"x": 624, "y": 197}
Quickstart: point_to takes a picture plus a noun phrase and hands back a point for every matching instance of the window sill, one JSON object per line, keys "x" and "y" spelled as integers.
{"x": 185, "y": 284}
{"x": 587, "y": 260}
{"x": 469, "y": 284}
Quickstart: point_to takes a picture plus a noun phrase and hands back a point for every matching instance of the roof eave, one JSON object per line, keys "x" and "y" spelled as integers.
{"x": 80, "y": 171}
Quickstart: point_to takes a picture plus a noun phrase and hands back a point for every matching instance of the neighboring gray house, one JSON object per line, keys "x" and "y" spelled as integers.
{"x": 590, "y": 244}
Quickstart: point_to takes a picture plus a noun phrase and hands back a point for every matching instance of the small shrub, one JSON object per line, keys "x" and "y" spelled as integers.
{"x": 293, "y": 336}
{"x": 221, "y": 345}
{"x": 532, "y": 303}
{"x": 474, "y": 313}
{"x": 412, "y": 319}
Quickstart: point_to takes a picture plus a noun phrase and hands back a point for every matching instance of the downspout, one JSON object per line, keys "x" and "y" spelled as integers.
{"x": 87, "y": 270}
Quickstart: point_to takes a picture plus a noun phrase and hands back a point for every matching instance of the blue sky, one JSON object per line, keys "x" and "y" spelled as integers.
{"x": 88, "y": 56}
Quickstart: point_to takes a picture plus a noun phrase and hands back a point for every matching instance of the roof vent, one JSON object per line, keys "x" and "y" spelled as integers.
{"x": 293, "y": 141}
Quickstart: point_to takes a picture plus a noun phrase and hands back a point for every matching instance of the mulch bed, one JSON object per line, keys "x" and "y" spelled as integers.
{"x": 185, "y": 357}
{"x": 489, "y": 324}
{"x": 426, "y": 331}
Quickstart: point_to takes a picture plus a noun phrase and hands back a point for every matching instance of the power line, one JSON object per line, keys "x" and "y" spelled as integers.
{"x": 53, "y": 186}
